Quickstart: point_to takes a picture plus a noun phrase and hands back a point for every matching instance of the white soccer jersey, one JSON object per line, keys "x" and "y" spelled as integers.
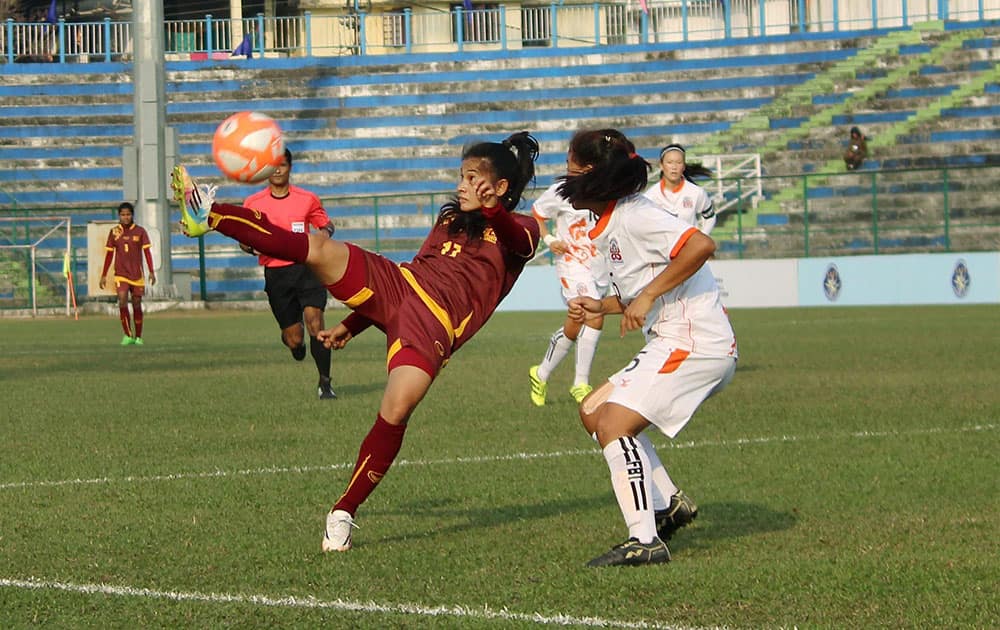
{"x": 689, "y": 202}
{"x": 572, "y": 227}
{"x": 639, "y": 240}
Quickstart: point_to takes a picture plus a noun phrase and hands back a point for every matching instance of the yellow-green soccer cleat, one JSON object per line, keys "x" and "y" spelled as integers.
{"x": 127, "y": 340}
{"x": 138, "y": 341}
{"x": 195, "y": 201}
{"x": 538, "y": 387}
{"x": 580, "y": 391}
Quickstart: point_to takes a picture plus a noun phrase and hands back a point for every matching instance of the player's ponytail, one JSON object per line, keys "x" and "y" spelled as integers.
{"x": 512, "y": 159}
{"x": 616, "y": 170}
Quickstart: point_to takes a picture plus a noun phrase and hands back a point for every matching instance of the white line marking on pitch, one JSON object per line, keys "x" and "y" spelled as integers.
{"x": 307, "y": 602}
{"x": 480, "y": 459}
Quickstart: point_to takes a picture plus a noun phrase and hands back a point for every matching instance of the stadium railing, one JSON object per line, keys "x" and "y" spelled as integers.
{"x": 463, "y": 29}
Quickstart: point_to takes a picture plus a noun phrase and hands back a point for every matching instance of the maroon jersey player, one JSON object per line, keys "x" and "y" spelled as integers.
{"x": 428, "y": 308}
{"x": 128, "y": 244}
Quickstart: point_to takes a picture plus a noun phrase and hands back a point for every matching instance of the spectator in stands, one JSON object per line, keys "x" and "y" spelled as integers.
{"x": 677, "y": 193}
{"x": 292, "y": 290}
{"x": 857, "y": 150}
{"x": 663, "y": 287}
{"x": 128, "y": 244}
{"x": 581, "y": 271}
{"x": 427, "y": 308}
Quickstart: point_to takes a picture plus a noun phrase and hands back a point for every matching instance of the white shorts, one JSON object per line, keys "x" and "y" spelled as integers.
{"x": 666, "y": 386}
{"x": 577, "y": 281}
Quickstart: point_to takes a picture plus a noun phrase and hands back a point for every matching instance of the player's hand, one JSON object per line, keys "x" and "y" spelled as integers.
{"x": 583, "y": 308}
{"x": 335, "y": 338}
{"x": 486, "y": 195}
{"x": 559, "y": 247}
{"x": 248, "y": 249}
{"x": 152, "y": 278}
{"x": 634, "y": 316}
{"x": 103, "y": 282}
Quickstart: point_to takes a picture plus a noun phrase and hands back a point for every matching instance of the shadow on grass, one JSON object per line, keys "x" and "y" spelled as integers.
{"x": 470, "y": 519}
{"x": 715, "y": 522}
{"x": 720, "y": 521}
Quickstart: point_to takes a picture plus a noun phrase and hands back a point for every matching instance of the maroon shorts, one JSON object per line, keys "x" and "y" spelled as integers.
{"x": 138, "y": 290}
{"x": 375, "y": 287}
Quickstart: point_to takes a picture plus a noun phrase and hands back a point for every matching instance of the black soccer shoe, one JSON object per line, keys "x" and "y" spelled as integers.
{"x": 633, "y": 553}
{"x": 681, "y": 511}
{"x": 325, "y": 391}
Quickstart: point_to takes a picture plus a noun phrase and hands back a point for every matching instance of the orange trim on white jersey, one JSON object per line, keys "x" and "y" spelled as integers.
{"x": 681, "y": 241}
{"x": 602, "y": 223}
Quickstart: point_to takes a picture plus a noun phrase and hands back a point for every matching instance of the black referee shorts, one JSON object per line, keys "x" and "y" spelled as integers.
{"x": 289, "y": 290}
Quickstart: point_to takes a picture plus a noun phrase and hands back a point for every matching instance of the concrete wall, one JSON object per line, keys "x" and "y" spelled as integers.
{"x": 953, "y": 278}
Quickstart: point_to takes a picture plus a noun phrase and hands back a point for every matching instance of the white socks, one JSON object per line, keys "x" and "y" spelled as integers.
{"x": 663, "y": 485}
{"x": 559, "y": 346}
{"x": 586, "y": 348}
{"x": 629, "y": 468}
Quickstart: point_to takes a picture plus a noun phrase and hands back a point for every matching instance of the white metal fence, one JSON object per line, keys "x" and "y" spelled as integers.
{"x": 487, "y": 27}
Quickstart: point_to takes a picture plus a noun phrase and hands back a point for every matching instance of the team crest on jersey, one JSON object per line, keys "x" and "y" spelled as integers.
{"x": 615, "y": 252}
{"x": 832, "y": 283}
{"x": 961, "y": 279}
{"x": 688, "y": 202}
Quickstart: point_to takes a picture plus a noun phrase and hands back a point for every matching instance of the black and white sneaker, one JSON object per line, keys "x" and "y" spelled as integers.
{"x": 679, "y": 513}
{"x": 633, "y": 553}
{"x": 325, "y": 391}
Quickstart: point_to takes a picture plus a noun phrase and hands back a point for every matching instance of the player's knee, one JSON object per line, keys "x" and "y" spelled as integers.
{"x": 590, "y": 406}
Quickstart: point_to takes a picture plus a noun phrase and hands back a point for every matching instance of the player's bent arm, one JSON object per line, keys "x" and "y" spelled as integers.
{"x": 694, "y": 253}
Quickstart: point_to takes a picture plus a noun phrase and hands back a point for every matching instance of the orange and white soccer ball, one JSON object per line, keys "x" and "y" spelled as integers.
{"x": 248, "y": 146}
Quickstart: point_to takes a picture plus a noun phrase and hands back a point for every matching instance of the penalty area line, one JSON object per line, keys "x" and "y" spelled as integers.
{"x": 486, "y": 459}
{"x": 312, "y": 603}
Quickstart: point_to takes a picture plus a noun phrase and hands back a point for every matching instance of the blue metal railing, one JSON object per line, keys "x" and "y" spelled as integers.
{"x": 554, "y": 25}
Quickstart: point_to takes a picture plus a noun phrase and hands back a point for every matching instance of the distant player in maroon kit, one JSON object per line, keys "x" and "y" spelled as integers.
{"x": 292, "y": 290}
{"x": 428, "y": 308}
{"x": 128, "y": 243}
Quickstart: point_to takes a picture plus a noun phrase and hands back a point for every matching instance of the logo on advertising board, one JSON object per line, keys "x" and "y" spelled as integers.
{"x": 961, "y": 279}
{"x": 832, "y": 283}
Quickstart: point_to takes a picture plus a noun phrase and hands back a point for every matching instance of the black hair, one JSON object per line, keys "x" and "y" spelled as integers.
{"x": 855, "y": 130}
{"x": 691, "y": 169}
{"x": 125, "y": 205}
{"x": 288, "y": 158}
{"x": 512, "y": 159}
{"x": 616, "y": 170}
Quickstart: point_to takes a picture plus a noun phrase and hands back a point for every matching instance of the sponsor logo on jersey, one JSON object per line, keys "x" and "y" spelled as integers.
{"x": 615, "y": 252}
{"x": 961, "y": 279}
{"x": 832, "y": 283}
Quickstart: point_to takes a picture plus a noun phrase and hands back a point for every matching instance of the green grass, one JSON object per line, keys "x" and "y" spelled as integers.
{"x": 846, "y": 479}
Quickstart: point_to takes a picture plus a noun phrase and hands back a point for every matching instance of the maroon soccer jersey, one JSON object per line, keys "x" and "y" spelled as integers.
{"x": 128, "y": 245}
{"x": 468, "y": 278}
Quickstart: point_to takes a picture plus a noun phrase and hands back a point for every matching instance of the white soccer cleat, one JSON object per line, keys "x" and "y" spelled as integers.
{"x": 337, "y": 536}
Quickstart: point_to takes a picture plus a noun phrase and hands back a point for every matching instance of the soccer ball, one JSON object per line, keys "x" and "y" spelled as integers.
{"x": 248, "y": 146}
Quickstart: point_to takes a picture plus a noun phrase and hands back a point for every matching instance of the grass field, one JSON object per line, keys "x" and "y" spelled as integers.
{"x": 847, "y": 478}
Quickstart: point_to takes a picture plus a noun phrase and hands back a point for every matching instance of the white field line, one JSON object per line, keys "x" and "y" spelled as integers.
{"x": 484, "y": 613}
{"x": 484, "y": 459}
{"x": 311, "y": 603}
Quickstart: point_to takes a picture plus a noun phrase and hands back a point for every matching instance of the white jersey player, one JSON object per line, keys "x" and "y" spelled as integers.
{"x": 582, "y": 272}
{"x": 676, "y": 193}
{"x": 662, "y": 286}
